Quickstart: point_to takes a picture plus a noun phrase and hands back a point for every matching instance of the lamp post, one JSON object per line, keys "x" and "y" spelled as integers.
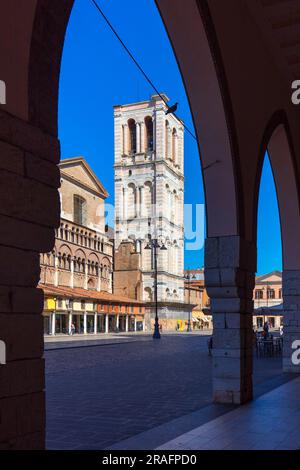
{"x": 153, "y": 245}
{"x": 188, "y": 278}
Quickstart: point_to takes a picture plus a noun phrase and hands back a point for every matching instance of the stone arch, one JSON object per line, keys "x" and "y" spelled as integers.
{"x": 131, "y": 200}
{"x": 132, "y": 136}
{"x": 278, "y": 142}
{"x": 63, "y": 248}
{"x": 148, "y": 133}
{"x": 148, "y": 294}
{"x": 148, "y": 198}
{"x": 212, "y": 112}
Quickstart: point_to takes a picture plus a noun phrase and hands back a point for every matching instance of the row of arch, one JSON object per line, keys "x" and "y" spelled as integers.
{"x": 138, "y": 137}
{"x": 80, "y": 237}
{"x": 63, "y": 259}
{"x": 169, "y": 294}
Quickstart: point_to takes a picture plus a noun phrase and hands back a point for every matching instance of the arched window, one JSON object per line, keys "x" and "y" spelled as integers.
{"x": 132, "y": 136}
{"x": 149, "y": 133}
{"x": 79, "y": 210}
{"x": 148, "y": 294}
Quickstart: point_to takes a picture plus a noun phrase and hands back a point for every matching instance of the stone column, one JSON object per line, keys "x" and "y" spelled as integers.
{"x": 291, "y": 320}
{"x": 134, "y": 323}
{"x": 277, "y": 322}
{"x": 169, "y": 153}
{"x": 106, "y": 323}
{"x": 142, "y": 124}
{"x": 124, "y": 211}
{"x": 72, "y": 274}
{"x": 56, "y": 270}
{"x": 137, "y": 202}
{"x": 138, "y": 138}
{"x": 154, "y": 132}
{"x": 95, "y": 323}
{"x": 144, "y": 324}
{"x": 84, "y": 323}
{"x": 230, "y": 265}
{"x": 99, "y": 280}
{"x": 70, "y": 323}
{"x": 53, "y": 324}
{"x": 117, "y": 321}
{"x": 126, "y": 139}
{"x": 85, "y": 276}
{"x": 176, "y": 149}
{"x": 126, "y": 324}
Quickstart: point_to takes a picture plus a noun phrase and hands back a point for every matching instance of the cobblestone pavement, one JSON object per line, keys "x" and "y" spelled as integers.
{"x": 97, "y": 396}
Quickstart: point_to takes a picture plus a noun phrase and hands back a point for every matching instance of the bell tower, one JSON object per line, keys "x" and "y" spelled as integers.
{"x": 149, "y": 198}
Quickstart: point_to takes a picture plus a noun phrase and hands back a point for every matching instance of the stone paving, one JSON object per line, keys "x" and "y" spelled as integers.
{"x": 272, "y": 422}
{"x": 103, "y": 394}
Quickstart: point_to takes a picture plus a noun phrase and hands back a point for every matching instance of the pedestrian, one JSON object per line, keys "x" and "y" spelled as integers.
{"x": 72, "y": 329}
{"x": 266, "y": 330}
{"x": 281, "y": 330}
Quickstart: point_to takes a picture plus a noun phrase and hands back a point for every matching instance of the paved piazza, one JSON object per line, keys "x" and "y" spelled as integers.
{"x": 101, "y": 393}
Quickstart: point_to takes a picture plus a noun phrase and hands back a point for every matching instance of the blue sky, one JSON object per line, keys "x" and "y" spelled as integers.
{"x": 96, "y": 73}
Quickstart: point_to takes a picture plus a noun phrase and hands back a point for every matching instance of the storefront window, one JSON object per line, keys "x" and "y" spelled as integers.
{"x": 100, "y": 323}
{"x": 60, "y": 324}
{"x": 47, "y": 327}
{"x": 90, "y": 321}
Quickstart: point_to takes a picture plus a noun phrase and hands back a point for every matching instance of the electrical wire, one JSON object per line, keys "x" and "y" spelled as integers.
{"x": 137, "y": 64}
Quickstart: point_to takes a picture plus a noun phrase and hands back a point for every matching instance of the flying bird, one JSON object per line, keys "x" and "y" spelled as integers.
{"x": 172, "y": 109}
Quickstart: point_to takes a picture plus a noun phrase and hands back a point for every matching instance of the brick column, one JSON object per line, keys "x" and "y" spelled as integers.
{"x": 29, "y": 211}
{"x": 230, "y": 265}
{"x": 291, "y": 318}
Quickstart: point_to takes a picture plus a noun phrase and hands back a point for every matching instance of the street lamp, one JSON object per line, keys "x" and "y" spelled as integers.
{"x": 188, "y": 277}
{"x": 153, "y": 245}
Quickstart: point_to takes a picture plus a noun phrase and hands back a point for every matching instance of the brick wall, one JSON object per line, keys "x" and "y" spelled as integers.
{"x": 29, "y": 211}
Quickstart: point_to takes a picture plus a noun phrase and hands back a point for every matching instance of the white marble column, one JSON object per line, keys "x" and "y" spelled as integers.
{"x": 117, "y": 321}
{"x": 70, "y": 323}
{"x": 138, "y": 138}
{"x": 99, "y": 280}
{"x": 125, "y": 139}
{"x": 142, "y": 124}
{"x": 154, "y": 132}
{"x": 142, "y": 211}
{"x": 169, "y": 142}
{"x": 106, "y": 323}
{"x": 53, "y": 324}
{"x": 85, "y": 276}
{"x": 176, "y": 149}
{"x": 56, "y": 270}
{"x": 137, "y": 201}
{"x": 95, "y": 323}
{"x": 144, "y": 324}
{"x": 126, "y": 324}
{"x": 84, "y": 324}
{"x": 124, "y": 211}
{"x": 134, "y": 323}
{"x": 72, "y": 274}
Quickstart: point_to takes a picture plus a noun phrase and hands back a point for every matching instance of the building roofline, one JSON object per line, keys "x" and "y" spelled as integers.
{"x": 80, "y": 159}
